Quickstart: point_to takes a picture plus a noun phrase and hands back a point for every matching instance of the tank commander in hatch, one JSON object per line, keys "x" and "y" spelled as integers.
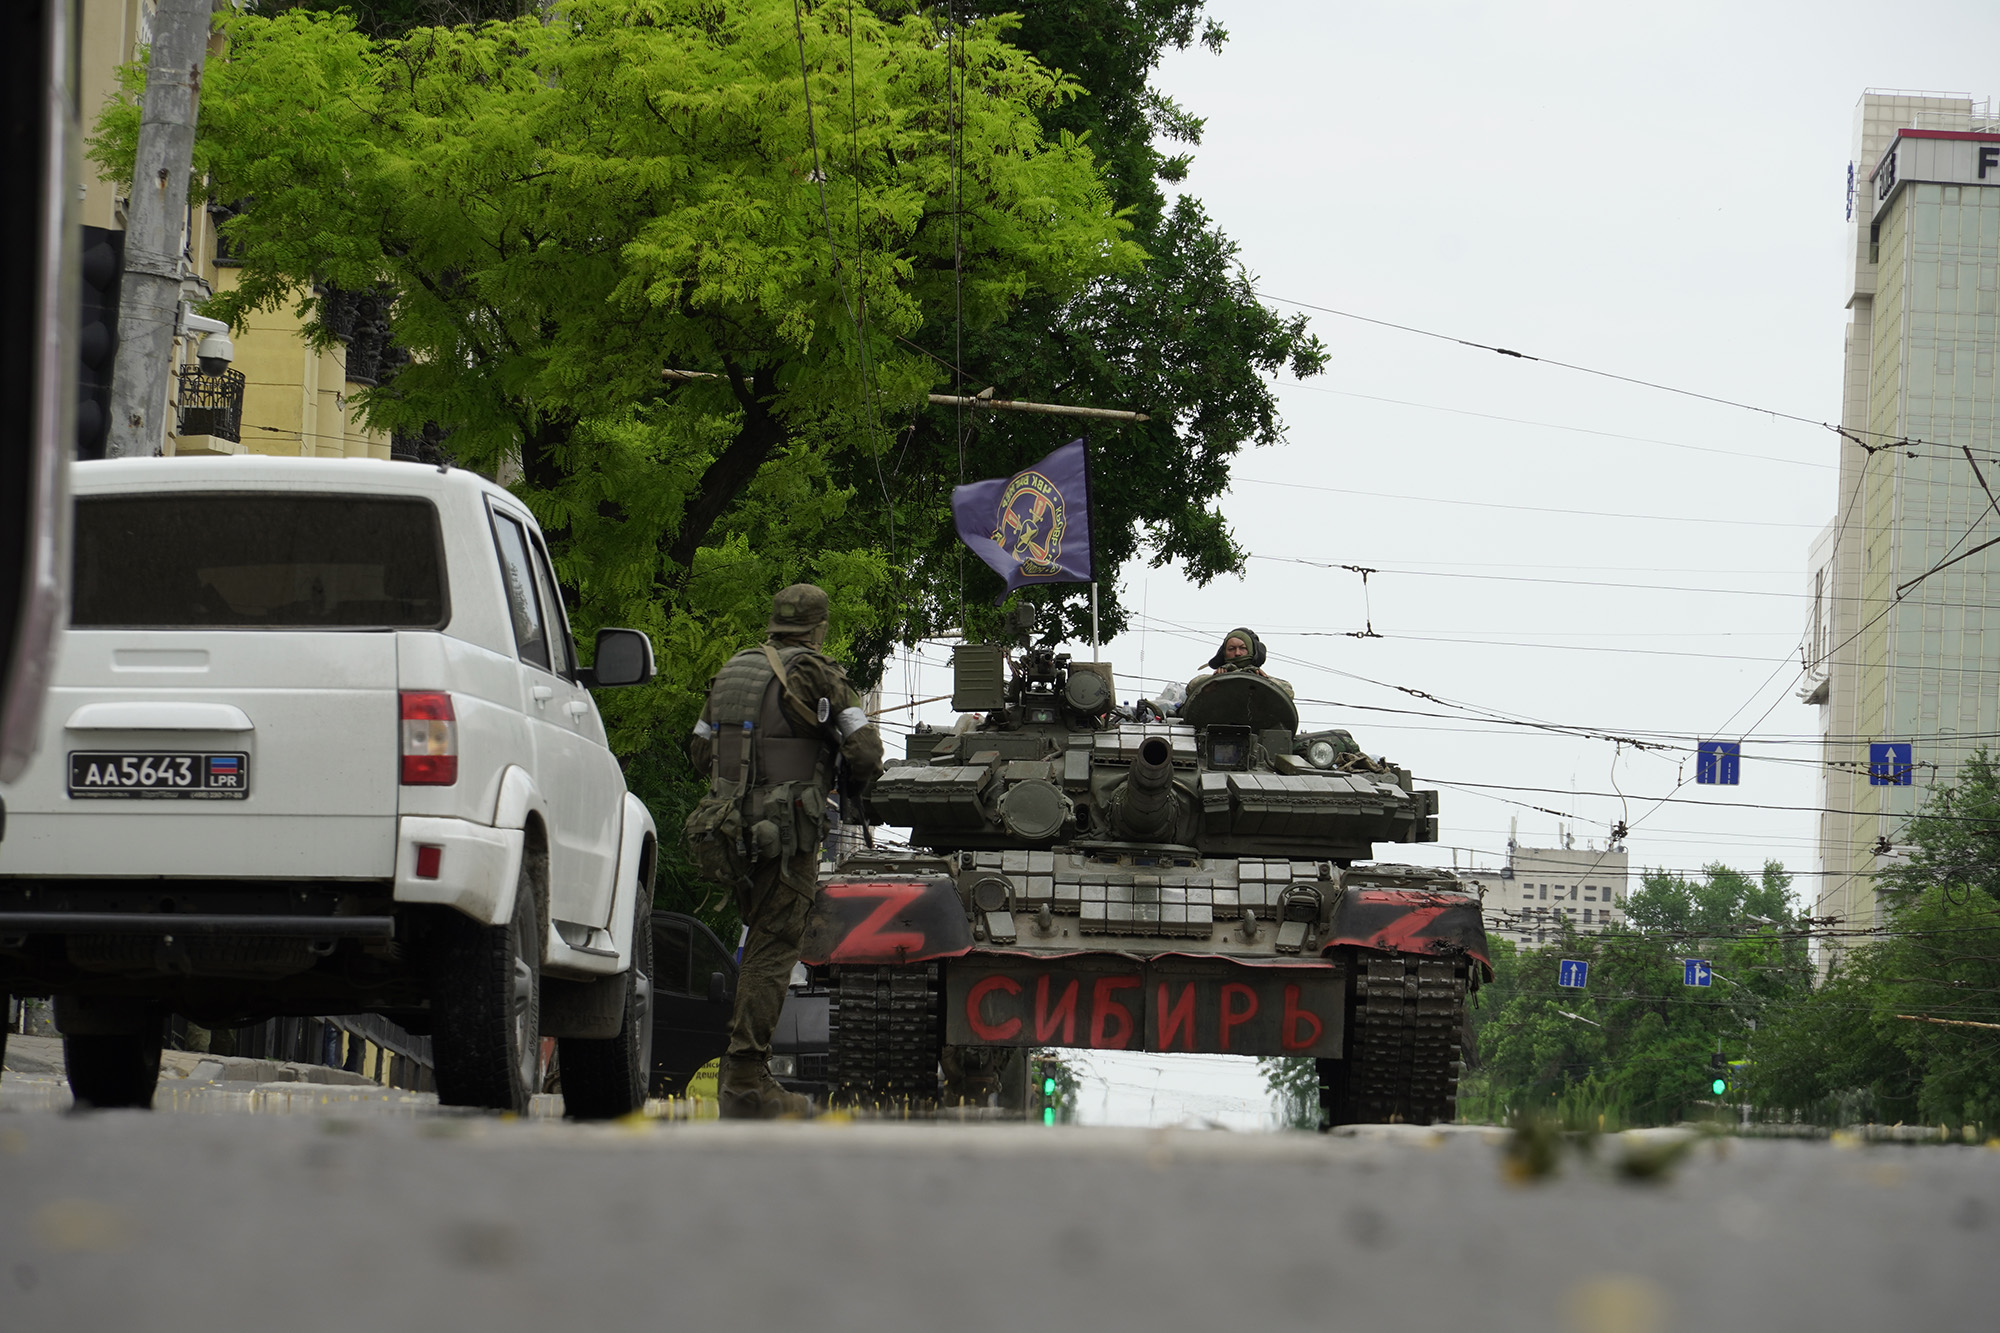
{"x": 1241, "y": 650}
{"x": 777, "y": 716}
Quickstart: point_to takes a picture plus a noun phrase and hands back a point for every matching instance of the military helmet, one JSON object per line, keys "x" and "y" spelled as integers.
{"x": 796, "y": 609}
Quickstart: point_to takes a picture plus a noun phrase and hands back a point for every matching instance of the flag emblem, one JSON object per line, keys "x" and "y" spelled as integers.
{"x": 1032, "y": 527}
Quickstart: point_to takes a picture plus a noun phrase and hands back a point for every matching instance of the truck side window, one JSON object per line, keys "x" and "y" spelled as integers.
{"x": 562, "y": 651}
{"x": 518, "y": 574}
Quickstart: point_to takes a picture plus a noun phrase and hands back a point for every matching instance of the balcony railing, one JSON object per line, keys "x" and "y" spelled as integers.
{"x": 211, "y": 404}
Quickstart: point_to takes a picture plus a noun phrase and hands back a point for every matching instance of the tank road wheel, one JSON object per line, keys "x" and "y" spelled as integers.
{"x": 488, "y": 1001}
{"x": 883, "y": 1039}
{"x": 1402, "y": 1057}
{"x": 604, "y": 1078}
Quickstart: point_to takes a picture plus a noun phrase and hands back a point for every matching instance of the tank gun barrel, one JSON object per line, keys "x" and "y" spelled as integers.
{"x": 1147, "y": 808}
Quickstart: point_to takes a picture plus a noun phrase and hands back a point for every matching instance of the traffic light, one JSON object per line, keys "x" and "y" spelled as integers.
{"x": 1718, "y": 1086}
{"x": 103, "y": 263}
{"x": 1048, "y": 1096}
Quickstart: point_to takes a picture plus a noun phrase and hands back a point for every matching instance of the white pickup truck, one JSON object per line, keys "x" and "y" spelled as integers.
{"x": 318, "y": 743}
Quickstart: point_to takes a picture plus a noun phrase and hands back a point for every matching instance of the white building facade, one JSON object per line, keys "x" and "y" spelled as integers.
{"x": 1897, "y": 649}
{"x": 1543, "y": 888}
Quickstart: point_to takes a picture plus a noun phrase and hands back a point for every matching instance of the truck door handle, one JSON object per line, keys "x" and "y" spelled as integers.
{"x": 541, "y": 694}
{"x": 576, "y": 707}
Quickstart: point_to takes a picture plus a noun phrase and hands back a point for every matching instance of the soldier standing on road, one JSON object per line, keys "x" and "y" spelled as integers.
{"x": 1241, "y": 650}
{"x": 776, "y": 718}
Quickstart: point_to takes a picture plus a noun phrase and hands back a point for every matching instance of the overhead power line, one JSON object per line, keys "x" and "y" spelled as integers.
{"x": 1553, "y": 425}
{"x": 1772, "y": 412}
{"x": 1532, "y": 509}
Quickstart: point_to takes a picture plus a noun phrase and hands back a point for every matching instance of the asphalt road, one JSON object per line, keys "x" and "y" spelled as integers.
{"x": 333, "y": 1208}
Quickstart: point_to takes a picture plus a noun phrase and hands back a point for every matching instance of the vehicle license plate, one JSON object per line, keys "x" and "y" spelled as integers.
{"x": 204, "y": 777}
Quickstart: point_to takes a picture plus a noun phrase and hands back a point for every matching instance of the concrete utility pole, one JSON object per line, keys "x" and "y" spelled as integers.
{"x": 150, "y": 295}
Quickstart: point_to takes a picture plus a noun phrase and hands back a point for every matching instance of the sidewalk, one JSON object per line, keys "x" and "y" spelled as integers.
{"x": 43, "y": 1055}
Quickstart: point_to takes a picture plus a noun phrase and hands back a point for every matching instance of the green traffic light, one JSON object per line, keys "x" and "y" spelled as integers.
{"x": 1048, "y": 1087}
{"x": 1719, "y": 1086}
{"x": 1049, "y": 1115}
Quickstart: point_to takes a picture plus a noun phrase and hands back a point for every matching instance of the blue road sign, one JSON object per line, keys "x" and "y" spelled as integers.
{"x": 1572, "y": 972}
{"x": 1717, "y": 762}
{"x": 1694, "y": 972}
{"x": 1889, "y": 764}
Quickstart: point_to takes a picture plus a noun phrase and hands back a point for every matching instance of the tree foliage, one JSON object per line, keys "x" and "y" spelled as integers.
{"x": 1183, "y": 338}
{"x": 1293, "y": 1081}
{"x": 559, "y": 210}
{"x": 821, "y": 208}
{"x": 1894, "y": 1032}
{"x": 1635, "y": 1045}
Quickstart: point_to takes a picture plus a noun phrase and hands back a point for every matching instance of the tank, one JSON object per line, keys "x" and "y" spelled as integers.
{"x": 1082, "y": 875}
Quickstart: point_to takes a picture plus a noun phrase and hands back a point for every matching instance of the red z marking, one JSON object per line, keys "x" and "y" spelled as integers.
{"x": 1294, "y": 1016}
{"x": 1234, "y": 1018}
{"x": 1177, "y": 1017}
{"x": 1065, "y": 1012}
{"x": 869, "y": 942}
{"x": 982, "y": 1029}
{"x": 1105, "y": 1011}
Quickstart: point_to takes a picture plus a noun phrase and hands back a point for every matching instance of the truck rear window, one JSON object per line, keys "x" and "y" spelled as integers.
{"x": 250, "y": 560}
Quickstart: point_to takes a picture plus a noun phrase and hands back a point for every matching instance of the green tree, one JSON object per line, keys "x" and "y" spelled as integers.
{"x": 1183, "y": 338}
{"x": 1294, "y": 1084}
{"x": 1634, "y": 1046}
{"x": 559, "y": 210}
{"x": 1903, "y": 1026}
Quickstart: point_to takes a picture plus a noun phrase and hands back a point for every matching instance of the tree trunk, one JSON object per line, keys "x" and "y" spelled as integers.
{"x": 149, "y": 297}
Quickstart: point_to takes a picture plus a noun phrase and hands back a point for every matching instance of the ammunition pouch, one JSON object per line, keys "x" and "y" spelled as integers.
{"x": 713, "y": 836}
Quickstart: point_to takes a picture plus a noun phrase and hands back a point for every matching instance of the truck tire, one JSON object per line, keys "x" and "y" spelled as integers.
{"x": 606, "y": 1077}
{"x": 487, "y": 998}
{"x": 110, "y": 1070}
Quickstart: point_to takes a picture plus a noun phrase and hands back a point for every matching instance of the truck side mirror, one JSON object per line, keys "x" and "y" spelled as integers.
{"x": 624, "y": 657}
{"x": 718, "y": 988}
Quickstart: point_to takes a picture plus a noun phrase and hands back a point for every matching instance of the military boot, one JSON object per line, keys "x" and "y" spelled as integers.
{"x": 746, "y": 1091}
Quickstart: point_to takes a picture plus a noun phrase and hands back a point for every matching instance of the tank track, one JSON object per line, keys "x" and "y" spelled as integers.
{"x": 1403, "y": 1048}
{"x": 883, "y": 1038}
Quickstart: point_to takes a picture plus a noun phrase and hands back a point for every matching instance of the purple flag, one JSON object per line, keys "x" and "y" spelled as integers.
{"x": 1032, "y": 527}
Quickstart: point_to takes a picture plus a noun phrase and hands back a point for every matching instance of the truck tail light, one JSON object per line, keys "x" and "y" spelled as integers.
{"x": 430, "y": 739}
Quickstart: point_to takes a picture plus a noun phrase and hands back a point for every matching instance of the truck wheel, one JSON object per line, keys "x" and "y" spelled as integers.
{"x": 606, "y": 1077}
{"x": 114, "y": 1070}
{"x": 488, "y": 1000}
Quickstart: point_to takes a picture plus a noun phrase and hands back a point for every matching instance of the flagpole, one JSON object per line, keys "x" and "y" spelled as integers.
{"x": 1093, "y": 620}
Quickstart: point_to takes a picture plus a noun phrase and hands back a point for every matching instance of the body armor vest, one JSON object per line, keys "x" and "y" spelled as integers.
{"x": 746, "y": 690}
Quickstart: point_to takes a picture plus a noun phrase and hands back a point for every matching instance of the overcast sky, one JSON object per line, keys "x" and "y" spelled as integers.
{"x": 1655, "y": 191}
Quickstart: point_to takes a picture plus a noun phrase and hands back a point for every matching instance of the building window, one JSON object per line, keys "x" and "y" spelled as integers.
{"x": 1573, "y": 891}
{"x": 1545, "y": 891}
{"x": 1590, "y": 893}
{"x": 1586, "y": 916}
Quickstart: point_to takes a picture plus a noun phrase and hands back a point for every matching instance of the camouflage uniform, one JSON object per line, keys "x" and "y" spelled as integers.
{"x": 788, "y": 738}
{"x": 1221, "y": 664}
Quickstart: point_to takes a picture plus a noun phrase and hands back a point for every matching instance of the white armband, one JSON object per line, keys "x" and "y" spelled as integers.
{"x": 850, "y": 720}
{"x": 702, "y": 730}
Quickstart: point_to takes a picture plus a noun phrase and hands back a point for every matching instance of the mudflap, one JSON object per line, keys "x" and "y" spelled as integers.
{"x": 1411, "y": 921}
{"x": 885, "y": 919}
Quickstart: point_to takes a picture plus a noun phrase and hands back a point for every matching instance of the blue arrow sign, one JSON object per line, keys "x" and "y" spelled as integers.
{"x": 1889, "y": 764}
{"x": 1694, "y": 972}
{"x": 1572, "y": 972}
{"x": 1717, "y": 762}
